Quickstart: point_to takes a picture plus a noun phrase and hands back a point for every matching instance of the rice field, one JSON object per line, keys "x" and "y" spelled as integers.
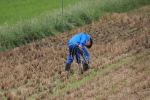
{"x": 119, "y": 67}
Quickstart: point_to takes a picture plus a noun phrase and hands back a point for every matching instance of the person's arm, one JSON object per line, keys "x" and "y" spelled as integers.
{"x": 86, "y": 55}
{"x": 83, "y": 41}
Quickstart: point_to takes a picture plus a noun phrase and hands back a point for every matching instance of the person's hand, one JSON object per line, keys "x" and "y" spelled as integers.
{"x": 80, "y": 47}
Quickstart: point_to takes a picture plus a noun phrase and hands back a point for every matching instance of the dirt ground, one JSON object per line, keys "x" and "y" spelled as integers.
{"x": 36, "y": 71}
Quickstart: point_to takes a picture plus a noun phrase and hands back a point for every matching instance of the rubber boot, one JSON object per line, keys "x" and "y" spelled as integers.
{"x": 67, "y": 67}
{"x": 85, "y": 66}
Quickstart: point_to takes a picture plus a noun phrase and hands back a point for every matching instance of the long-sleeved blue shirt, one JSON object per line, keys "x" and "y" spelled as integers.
{"x": 79, "y": 39}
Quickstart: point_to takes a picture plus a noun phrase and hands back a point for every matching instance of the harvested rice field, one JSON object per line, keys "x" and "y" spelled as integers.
{"x": 119, "y": 67}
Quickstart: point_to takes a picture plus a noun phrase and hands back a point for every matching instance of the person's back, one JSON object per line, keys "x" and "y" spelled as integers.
{"x": 80, "y": 39}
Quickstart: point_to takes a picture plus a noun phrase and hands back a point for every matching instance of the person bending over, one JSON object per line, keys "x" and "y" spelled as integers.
{"x": 76, "y": 46}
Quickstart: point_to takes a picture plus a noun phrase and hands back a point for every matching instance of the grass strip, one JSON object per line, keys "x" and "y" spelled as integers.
{"x": 85, "y": 79}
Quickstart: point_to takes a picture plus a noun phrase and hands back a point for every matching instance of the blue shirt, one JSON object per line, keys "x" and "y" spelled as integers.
{"x": 79, "y": 39}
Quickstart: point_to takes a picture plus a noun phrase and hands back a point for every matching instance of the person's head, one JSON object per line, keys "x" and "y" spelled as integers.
{"x": 89, "y": 43}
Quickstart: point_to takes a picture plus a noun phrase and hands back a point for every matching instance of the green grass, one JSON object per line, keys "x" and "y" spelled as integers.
{"x": 16, "y": 10}
{"x": 51, "y": 23}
